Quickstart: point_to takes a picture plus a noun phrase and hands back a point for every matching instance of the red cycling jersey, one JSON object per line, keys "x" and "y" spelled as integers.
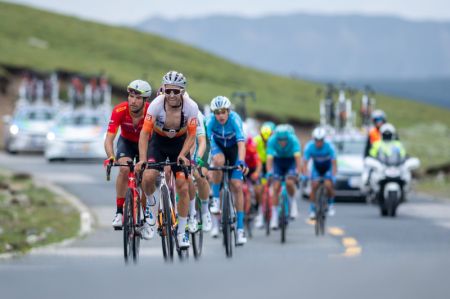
{"x": 120, "y": 116}
{"x": 251, "y": 154}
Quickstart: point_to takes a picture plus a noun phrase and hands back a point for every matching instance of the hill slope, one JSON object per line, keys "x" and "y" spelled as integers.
{"x": 124, "y": 54}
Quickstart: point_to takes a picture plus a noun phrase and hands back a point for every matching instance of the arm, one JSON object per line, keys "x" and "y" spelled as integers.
{"x": 145, "y": 134}
{"x": 113, "y": 127}
{"x": 269, "y": 164}
{"x": 109, "y": 144}
{"x": 334, "y": 167}
{"x": 241, "y": 150}
{"x": 190, "y": 140}
{"x": 298, "y": 162}
{"x": 201, "y": 145}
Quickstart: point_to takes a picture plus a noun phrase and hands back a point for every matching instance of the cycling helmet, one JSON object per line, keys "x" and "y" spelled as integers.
{"x": 319, "y": 133}
{"x": 270, "y": 124}
{"x": 265, "y": 132}
{"x": 174, "y": 78}
{"x": 140, "y": 87}
{"x": 387, "y": 131}
{"x": 291, "y": 128}
{"x": 282, "y": 131}
{"x": 220, "y": 102}
{"x": 379, "y": 115}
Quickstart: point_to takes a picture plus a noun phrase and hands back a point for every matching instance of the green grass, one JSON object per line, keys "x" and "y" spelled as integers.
{"x": 437, "y": 186}
{"x": 45, "y": 215}
{"x": 125, "y": 54}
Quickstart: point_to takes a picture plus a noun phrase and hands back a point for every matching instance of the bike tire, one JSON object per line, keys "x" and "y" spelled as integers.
{"x": 283, "y": 220}
{"x": 128, "y": 226}
{"x": 197, "y": 237}
{"x": 137, "y": 237}
{"x": 392, "y": 204}
{"x": 226, "y": 223}
{"x": 267, "y": 211}
{"x": 167, "y": 223}
{"x": 319, "y": 211}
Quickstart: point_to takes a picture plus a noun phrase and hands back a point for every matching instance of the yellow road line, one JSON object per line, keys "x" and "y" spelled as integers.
{"x": 352, "y": 251}
{"x": 349, "y": 242}
{"x": 336, "y": 231}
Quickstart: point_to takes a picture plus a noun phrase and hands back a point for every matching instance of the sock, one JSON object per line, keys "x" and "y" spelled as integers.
{"x": 192, "y": 211}
{"x": 216, "y": 190}
{"x": 181, "y": 225}
{"x": 274, "y": 211}
{"x": 240, "y": 219}
{"x": 331, "y": 201}
{"x": 205, "y": 206}
{"x": 215, "y": 220}
{"x": 312, "y": 207}
{"x": 151, "y": 204}
{"x": 260, "y": 210}
{"x": 119, "y": 202}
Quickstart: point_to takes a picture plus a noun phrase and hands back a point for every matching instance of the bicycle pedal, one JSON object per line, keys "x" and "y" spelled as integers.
{"x": 117, "y": 228}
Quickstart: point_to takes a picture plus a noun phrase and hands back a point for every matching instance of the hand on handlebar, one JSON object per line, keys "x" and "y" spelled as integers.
{"x": 242, "y": 166}
{"x": 140, "y": 166}
{"x": 109, "y": 161}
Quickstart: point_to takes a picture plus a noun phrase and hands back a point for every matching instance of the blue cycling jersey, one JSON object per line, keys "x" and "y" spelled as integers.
{"x": 226, "y": 135}
{"x": 291, "y": 149}
{"x": 321, "y": 157}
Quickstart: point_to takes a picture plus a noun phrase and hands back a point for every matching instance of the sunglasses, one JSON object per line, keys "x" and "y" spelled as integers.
{"x": 221, "y": 111}
{"x": 134, "y": 91}
{"x": 175, "y": 91}
{"x": 378, "y": 120}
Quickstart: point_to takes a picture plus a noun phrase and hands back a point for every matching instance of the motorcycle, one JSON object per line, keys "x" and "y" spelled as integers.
{"x": 390, "y": 181}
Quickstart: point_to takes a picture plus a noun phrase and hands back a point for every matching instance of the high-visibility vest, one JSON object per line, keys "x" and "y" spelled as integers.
{"x": 374, "y": 135}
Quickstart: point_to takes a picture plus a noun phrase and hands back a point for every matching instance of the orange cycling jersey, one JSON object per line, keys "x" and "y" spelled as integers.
{"x": 156, "y": 118}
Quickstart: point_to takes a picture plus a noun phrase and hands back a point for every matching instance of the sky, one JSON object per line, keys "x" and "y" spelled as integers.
{"x": 130, "y": 12}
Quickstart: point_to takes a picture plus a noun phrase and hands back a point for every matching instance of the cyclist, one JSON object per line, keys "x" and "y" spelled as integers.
{"x": 200, "y": 157}
{"x": 254, "y": 171}
{"x": 171, "y": 121}
{"x": 226, "y": 135}
{"x": 324, "y": 165}
{"x": 261, "y": 139}
{"x": 129, "y": 116}
{"x": 378, "y": 118}
{"x": 283, "y": 159}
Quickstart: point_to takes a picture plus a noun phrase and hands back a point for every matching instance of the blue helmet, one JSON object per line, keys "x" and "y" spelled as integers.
{"x": 282, "y": 131}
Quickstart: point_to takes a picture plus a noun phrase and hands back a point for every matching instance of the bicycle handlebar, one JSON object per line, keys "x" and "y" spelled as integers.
{"x": 223, "y": 168}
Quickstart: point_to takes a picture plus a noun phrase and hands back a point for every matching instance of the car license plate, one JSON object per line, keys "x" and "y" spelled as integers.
{"x": 354, "y": 182}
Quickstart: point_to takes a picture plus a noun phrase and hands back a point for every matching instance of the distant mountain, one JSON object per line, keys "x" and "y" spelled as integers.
{"x": 313, "y": 46}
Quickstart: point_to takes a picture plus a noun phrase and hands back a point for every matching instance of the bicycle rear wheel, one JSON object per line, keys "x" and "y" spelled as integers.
{"x": 167, "y": 236}
{"x": 226, "y": 223}
{"x": 128, "y": 225}
{"x": 136, "y": 236}
{"x": 320, "y": 212}
{"x": 197, "y": 237}
{"x": 267, "y": 205}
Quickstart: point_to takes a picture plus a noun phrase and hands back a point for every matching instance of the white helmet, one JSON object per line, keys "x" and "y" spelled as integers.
{"x": 141, "y": 87}
{"x": 174, "y": 78}
{"x": 319, "y": 133}
{"x": 220, "y": 102}
{"x": 387, "y": 131}
{"x": 379, "y": 114}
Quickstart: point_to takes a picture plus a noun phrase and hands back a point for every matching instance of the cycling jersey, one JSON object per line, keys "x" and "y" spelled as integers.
{"x": 226, "y": 135}
{"x": 261, "y": 148}
{"x": 251, "y": 155}
{"x": 291, "y": 149}
{"x": 322, "y": 157}
{"x": 120, "y": 117}
{"x": 201, "y": 131}
{"x": 156, "y": 118}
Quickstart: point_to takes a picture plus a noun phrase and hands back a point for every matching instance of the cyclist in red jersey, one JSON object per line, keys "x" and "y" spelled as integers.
{"x": 129, "y": 116}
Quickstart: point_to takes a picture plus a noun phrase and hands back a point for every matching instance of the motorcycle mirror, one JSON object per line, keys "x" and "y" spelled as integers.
{"x": 412, "y": 163}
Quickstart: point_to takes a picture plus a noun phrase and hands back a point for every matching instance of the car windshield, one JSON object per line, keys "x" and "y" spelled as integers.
{"x": 350, "y": 147}
{"x": 80, "y": 120}
{"x": 36, "y": 115}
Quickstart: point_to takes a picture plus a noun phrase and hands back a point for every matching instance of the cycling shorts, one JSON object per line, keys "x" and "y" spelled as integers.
{"x": 231, "y": 156}
{"x": 316, "y": 174}
{"x": 162, "y": 147}
{"x": 127, "y": 148}
{"x": 284, "y": 167}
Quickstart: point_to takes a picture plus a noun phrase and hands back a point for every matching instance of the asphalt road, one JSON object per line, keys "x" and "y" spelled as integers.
{"x": 362, "y": 255}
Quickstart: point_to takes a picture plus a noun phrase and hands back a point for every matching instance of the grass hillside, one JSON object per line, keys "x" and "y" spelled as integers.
{"x": 47, "y": 41}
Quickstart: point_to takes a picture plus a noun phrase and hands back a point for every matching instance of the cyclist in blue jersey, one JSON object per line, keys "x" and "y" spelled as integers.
{"x": 226, "y": 134}
{"x": 323, "y": 157}
{"x": 283, "y": 159}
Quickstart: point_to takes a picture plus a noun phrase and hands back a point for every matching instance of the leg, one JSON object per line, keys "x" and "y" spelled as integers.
{"x": 218, "y": 160}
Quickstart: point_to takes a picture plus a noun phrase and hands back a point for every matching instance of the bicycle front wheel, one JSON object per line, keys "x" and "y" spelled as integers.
{"x": 226, "y": 223}
{"x": 197, "y": 237}
{"x": 167, "y": 236}
{"x": 128, "y": 229}
{"x": 283, "y": 218}
{"x": 137, "y": 223}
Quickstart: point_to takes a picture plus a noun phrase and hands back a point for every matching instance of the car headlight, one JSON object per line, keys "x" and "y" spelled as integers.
{"x": 14, "y": 129}
{"x": 51, "y": 136}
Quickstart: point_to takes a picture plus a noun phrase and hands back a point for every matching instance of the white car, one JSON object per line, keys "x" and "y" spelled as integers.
{"x": 77, "y": 135}
{"x": 26, "y": 130}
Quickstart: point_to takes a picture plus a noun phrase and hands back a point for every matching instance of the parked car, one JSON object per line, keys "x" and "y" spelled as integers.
{"x": 77, "y": 135}
{"x": 26, "y": 130}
